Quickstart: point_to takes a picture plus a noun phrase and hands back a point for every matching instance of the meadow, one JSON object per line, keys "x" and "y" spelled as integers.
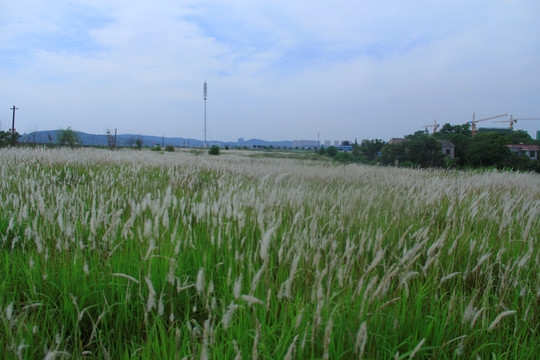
{"x": 139, "y": 254}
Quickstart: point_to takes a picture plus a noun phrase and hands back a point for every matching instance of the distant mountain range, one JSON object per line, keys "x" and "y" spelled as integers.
{"x": 49, "y": 136}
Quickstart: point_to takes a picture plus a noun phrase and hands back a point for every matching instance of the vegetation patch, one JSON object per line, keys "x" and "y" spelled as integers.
{"x": 121, "y": 254}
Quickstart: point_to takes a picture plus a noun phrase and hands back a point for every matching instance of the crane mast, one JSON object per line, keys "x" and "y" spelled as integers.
{"x": 475, "y": 121}
{"x": 435, "y": 126}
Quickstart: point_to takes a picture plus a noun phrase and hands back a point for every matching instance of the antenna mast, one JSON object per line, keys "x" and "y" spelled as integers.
{"x": 205, "y": 95}
{"x": 13, "y": 122}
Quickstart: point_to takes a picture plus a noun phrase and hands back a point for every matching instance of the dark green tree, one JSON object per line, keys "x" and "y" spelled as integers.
{"x": 392, "y": 154}
{"x": 371, "y": 148}
{"x": 331, "y": 151}
{"x": 67, "y": 137}
{"x": 418, "y": 149}
{"x": 488, "y": 149}
{"x": 356, "y": 149}
{"x": 448, "y": 129}
{"x": 520, "y": 137}
{"x": 214, "y": 150}
{"x": 423, "y": 150}
{"x": 8, "y": 139}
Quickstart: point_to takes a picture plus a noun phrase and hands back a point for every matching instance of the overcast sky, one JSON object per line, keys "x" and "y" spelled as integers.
{"x": 276, "y": 70}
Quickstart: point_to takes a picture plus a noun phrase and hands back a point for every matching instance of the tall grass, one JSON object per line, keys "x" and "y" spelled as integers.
{"x": 119, "y": 255}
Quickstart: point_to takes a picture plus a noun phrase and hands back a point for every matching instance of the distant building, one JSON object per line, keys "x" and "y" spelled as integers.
{"x": 396, "y": 140}
{"x": 531, "y": 151}
{"x": 448, "y": 148}
{"x": 496, "y": 130}
{"x": 337, "y": 143}
{"x": 305, "y": 143}
{"x": 327, "y": 143}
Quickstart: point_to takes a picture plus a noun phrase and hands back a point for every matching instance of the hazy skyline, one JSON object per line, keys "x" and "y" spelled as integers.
{"x": 276, "y": 70}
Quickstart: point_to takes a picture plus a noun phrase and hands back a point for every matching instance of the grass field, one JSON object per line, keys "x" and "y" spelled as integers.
{"x": 127, "y": 254}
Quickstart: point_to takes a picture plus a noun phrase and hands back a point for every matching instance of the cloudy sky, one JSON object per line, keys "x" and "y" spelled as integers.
{"x": 276, "y": 70}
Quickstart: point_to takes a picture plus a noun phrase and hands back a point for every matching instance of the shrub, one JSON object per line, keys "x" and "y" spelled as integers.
{"x": 331, "y": 151}
{"x": 344, "y": 157}
{"x": 169, "y": 148}
{"x": 214, "y": 150}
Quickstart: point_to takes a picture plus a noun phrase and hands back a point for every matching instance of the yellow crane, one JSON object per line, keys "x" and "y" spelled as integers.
{"x": 512, "y": 121}
{"x": 475, "y": 121}
{"x": 435, "y": 126}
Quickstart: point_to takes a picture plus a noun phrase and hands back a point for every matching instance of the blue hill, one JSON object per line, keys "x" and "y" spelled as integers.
{"x": 49, "y": 137}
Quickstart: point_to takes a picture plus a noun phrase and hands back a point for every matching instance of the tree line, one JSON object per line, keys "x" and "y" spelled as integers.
{"x": 484, "y": 150}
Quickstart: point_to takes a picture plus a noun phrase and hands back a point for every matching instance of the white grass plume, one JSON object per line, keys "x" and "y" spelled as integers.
{"x": 417, "y": 348}
{"x": 151, "y": 302}
{"x": 200, "y": 280}
{"x": 499, "y": 318}
{"x": 227, "y": 317}
{"x": 361, "y": 340}
{"x": 265, "y": 243}
{"x": 290, "y": 350}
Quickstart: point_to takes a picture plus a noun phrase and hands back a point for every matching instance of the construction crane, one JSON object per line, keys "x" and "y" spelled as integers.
{"x": 512, "y": 121}
{"x": 474, "y": 121}
{"x": 435, "y": 126}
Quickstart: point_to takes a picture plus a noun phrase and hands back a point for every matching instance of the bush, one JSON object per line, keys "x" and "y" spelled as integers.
{"x": 344, "y": 157}
{"x": 214, "y": 150}
{"x": 157, "y": 148}
{"x": 169, "y": 148}
{"x": 331, "y": 151}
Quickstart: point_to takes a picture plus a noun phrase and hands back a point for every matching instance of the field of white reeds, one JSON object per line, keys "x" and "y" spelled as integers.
{"x": 120, "y": 255}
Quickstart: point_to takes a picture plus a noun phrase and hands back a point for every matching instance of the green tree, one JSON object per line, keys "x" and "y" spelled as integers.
{"x": 138, "y": 143}
{"x": 448, "y": 129}
{"x": 488, "y": 149}
{"x": 214, "y": 150}
{"x": 392, "y": 154}
{"x": 67, "y": 137}
{"x": 520, "y": 137}
{"x": 371, "y": 148}
{"x": 418, "y": 149}
{"x": 331, "y": 151}
{"x": 423, "y": 150}
{"x": 356, "y": 149}
{"x": 8, "y": 139}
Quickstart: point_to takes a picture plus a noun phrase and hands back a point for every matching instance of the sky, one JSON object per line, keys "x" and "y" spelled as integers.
{"x": 276, "y": 70}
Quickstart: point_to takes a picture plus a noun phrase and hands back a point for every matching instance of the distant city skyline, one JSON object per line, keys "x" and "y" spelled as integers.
{"x": 276, "y": 70}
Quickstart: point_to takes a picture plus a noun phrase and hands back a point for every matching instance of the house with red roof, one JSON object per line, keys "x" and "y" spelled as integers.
{"x": 531, "y": 151}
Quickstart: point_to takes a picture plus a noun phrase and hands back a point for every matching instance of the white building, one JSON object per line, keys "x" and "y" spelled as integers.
{"x": 305, "y": 143}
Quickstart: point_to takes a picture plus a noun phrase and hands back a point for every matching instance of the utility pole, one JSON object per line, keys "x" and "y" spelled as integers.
{"x": 13, "y": 123}
{"x": 205, "y": 93}
{"x": 115, "y": 131}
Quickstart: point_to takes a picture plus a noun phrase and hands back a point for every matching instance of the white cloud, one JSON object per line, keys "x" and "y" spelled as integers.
{"x": 276, "y": 69}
